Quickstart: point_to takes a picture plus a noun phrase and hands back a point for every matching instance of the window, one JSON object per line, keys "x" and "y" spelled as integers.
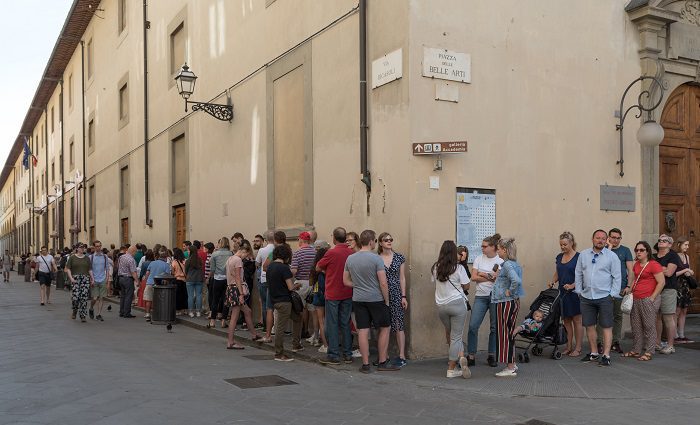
{"x": 53, "y": 172}
{"x": 124, "y": 180}
{"x": 53, "y": 120}
{"x": 179, "y": 165}
{"x": 177, "y": 48}
{"x": 91, "y": 197}
{"x": 90, "y": 59}
{"x": 124, "y": 102}
{"x": 71, "y": 155}
{"x": 121, "y": 19}
{"x": 41, "y": 140}
{"x": 91, "y": 134}
{"x": 70, "y": 91}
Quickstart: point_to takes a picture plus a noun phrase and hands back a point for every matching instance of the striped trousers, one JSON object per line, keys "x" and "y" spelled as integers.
{"x": 643, "y": 319}
{"x": 506, "y": 321}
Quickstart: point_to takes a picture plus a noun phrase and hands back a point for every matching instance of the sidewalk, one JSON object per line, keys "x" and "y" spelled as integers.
{"x": 674, "y": 376}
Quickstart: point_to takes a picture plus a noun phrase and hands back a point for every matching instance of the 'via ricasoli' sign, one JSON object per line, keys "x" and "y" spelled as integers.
{"x": 387, "y": 68}
{"x": 446, "y": 65}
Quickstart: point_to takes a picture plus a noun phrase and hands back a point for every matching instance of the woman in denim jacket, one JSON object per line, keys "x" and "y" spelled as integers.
{"x": 507, "y": 290}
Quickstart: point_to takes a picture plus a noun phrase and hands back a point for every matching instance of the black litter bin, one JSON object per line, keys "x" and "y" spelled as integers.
{"x": 163, "y": 299}
{"x": 60, "y": 279}
{"x": 20, "y": 268}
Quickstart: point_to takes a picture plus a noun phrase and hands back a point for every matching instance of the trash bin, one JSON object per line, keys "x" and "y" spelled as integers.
{"x": 20, "y": 268}
{"x": 60, "y": 279}
{"x": 163, "y": 299}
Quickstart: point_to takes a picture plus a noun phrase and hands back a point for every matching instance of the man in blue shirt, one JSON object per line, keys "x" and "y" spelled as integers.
{"x": 598, "y": 282}
{"x": 100, "y": 285}
{"x": 155, "y": 269}
{"x": 626, "y": 264}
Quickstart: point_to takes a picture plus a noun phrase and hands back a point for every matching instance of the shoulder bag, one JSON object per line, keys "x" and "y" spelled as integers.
{"x": 48, "y": 267}
{"x": 463, "y": 293}
{"x": 628, "y": 299}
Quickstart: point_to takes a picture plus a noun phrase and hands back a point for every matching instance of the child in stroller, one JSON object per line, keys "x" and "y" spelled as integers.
{"x": 545, "y": 315}
{"x": 531, "y": 324}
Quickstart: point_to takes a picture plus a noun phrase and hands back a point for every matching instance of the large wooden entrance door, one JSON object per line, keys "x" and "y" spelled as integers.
{"x": 679, "y": 173}
{"x": 180, "y": 215}
{"x": 124, "y": 231}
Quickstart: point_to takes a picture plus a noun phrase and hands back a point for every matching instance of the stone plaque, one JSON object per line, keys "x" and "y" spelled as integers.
{"x": 387, "y": 68}
{"x": 446, "y": 65}
{"x": 684, "y": 41}
{"x": 617, "y": 198}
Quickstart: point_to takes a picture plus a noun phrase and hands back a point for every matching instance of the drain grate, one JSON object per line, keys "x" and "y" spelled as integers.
{"x": 259, "y": 357}
{"x": 260, "y": 381}
{"x": 537, "y": 422}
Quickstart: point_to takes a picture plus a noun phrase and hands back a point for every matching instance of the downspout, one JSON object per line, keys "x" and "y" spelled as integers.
{"x": 366, "y": 177}
{"x": 82, "y": 107}
{"x": 60, "y": 205}
{"x": 147, "y": 199}
{"x": 31, "y": 199}
{"x": 46, "y": 174}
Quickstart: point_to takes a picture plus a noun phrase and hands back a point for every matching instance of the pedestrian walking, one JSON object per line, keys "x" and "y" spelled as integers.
{"x": 78, "y": 271}
{"x": 126, "y": 271}
{"x": 7, "y": 264}
{"x": 100, "y": 280}
{"x": 666, "y": 317}
{"x": 484, "y": 275}
{"x": 565, "y": 278}
{"x": 338, "y": 299}
{"x": 598, "y": 281}
{"x": 686, "y": 282}
{"x": 178, "y": 268}
{"x": 395, "y": 268}
{"x": 451, "y": 282}
{"x": 281, "y": 284}
{"x": 194, "y": 268}
{"x": 155, "y": 268}
{"x": 646, "y": 287}
{"x": 506, "y": 293}
{"x": 46, "y": 267}
{"x": 237, "y": 293}
{"x": 365, "y": 273}
{"x": 217, "y": 265}
{"x": 626, "y": 263}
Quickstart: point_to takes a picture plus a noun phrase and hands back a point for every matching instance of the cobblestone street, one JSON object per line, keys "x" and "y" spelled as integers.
{"x": 57, "y": 371}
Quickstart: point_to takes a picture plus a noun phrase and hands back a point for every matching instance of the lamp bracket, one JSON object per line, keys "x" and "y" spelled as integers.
{"x": 220, "y": 112}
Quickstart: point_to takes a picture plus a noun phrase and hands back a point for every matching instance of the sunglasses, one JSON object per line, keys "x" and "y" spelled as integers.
{"x": 664, "y": 240}
{"x": 388, "y": 240}
{"x": 640, "y": 250}
{"x": 594, "y": 257}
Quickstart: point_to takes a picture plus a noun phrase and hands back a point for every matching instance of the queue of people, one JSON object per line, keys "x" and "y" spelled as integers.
{"x": 322, "y": 294}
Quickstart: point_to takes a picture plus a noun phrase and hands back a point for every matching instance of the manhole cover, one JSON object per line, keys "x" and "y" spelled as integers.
{"x": 259, "y": 357}
{"x": 260, "y": 381}
{"x": 691, "y": 345}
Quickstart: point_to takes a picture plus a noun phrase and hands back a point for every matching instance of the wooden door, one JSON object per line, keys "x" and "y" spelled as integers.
{"x": 125, "y": 231}
{"x": 679, "y": 173}
{"x": 180, "y": 215}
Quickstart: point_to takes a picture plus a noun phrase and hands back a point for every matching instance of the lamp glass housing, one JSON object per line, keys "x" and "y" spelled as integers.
{"x": 650, "y": 133}
{"x": 185, "y": 80}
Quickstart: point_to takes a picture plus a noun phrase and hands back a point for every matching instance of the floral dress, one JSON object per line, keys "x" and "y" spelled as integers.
{"x": 685, "y": 297}
{"x": 393, "y": 277}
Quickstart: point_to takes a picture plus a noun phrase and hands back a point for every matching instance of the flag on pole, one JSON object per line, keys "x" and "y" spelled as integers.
{"x": 28, "y": 155}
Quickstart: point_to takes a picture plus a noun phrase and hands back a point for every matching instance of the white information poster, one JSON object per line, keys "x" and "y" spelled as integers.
{"x": 476, "y": 218}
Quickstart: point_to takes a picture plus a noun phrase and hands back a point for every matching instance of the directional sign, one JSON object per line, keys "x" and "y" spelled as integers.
{"x": 439, "y": 148}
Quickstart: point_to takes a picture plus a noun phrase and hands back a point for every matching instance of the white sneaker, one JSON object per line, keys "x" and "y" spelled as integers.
{"x": 311, "y": 340}
{"x": 356, "y": 353}
{"x": 454, "y": 373}
{"x": 507, "y": 373}
{"x": 191, "y": 315}
{"x": 323, "y": 349}
{"x": 466, "y": 373}
{"x": 272, "y": 332}
{"x": 199, "y": 314}
{"x": 146, "y": 316}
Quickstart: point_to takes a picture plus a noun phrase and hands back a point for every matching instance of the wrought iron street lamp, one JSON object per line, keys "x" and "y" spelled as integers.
{"x": 651, "y": 133}
{"x": 186, "y": 80}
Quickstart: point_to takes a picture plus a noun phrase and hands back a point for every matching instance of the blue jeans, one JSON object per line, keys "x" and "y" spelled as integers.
{"x": 481, "y": 305}
{"x": 194, "y": 295}
{"x": 337, "y": 326}
{"x": 262, "y": 290}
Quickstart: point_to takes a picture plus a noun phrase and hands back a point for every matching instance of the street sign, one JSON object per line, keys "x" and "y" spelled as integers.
{"x": 439, "y": 148}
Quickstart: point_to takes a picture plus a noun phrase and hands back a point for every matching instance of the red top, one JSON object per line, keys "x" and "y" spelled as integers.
{"x": 202, "y": 254}
{"x": 646, "y": 284}
{"x": 333, "y": 263}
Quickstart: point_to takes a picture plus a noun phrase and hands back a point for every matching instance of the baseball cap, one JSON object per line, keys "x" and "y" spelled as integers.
{"x": 305, "y": 236}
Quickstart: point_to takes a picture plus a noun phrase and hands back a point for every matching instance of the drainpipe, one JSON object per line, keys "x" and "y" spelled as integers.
{"x": 82, "y": 107}
{"x": 147, "y": 199}
{"x": 366, "y": 177}
{"x": 46, "y": 173}
{"x": 59, "y": 202}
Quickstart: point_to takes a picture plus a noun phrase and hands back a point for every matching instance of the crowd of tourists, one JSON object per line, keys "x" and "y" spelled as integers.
{"x": 322, "y": 293}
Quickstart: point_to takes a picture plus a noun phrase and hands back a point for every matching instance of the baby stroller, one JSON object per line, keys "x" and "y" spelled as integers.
{"x": 551, "y": 333}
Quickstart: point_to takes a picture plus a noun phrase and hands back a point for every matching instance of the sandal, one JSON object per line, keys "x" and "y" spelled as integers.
{"x": 566, "y": 352}
{"x": 235, "y": 347}
{"x": 644, "y": 357}
{"x": 630, "y": 354}
{"x": 256, "y": 338}
{"x": 575, "y": 353}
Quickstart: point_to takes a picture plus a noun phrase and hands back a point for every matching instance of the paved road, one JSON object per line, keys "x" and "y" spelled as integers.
{"x": 54, "y": 370}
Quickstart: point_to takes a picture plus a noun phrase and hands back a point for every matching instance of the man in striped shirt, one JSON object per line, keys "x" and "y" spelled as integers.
{"x": 302, "y": 261}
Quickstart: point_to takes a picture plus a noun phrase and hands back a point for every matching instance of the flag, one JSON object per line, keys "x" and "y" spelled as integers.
{"x": 27, "y": 155}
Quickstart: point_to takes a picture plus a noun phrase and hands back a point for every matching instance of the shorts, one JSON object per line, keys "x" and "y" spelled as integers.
{"x": 44, "y": 278}
{"x": 669, "y": 299}
{"x": 319, "y": 299}
{"x": 598, "y": 311}
{"x": 148, "y": 293}
{"x": 371, "y": 313}
{"x": 99, "y": 290}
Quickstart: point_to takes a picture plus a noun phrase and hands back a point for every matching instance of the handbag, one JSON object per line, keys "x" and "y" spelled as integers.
{"x": 297, "y": 304}
{"x": 628, "y": 299}
{"x": 690, "y": 281}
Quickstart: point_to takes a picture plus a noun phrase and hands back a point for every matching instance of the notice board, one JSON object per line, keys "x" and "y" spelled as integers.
{"x": 475, "y": 218}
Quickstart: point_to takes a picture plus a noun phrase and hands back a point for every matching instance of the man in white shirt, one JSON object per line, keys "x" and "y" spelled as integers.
{"x": 6, "y": 265}
{"x": 266, "y": 309}
{"x": 46, "y": 266}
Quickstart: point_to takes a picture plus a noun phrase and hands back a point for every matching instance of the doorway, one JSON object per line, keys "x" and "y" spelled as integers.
{"x": 180, "y": 216}
{"x": 679, "y": 173}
